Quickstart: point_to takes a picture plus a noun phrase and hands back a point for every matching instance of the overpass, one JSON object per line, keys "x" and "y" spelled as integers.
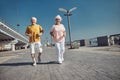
{"x": 11, "y": 39}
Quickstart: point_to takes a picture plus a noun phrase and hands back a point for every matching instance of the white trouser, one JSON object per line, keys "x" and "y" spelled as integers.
{"x": 60, "y": 47}
{"x": 35, "y": 46}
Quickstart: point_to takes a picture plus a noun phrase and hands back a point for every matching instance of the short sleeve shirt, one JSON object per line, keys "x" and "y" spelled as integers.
{"x": 34, "y": 30}
{"x": 58, "y": 31}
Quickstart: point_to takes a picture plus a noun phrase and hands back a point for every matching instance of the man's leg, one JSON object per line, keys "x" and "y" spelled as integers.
{"x": 40, "y": 51}
{"x": 39, "y": 56}
{"x": 33, "y": 59}
{"x": 32, "y": 50}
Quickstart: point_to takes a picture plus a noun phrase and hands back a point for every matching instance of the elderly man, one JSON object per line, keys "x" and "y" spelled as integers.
{"x": 34, "y": 31}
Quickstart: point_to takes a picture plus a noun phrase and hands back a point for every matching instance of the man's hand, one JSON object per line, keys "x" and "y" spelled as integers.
{"x": 38, "y": 35}
{"x": 28, "y": 34}
{"x": 42, "y": 31}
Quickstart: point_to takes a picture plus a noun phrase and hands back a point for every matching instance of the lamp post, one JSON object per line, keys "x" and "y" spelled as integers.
{"x": 68, "y": 19}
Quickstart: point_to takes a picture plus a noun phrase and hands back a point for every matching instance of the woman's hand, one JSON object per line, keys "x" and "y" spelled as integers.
{"x": 64, "y": 34}
{"x": 51, "y": 33}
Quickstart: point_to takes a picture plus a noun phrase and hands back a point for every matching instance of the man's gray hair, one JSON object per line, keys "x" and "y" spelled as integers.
{"x": 34, "y": 18}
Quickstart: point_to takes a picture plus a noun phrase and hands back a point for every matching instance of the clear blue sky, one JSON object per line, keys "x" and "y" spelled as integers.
{"x": 92, "y": 18}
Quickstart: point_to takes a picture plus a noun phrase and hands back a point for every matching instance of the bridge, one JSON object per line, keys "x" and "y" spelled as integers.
{"x": 11, "y": 39}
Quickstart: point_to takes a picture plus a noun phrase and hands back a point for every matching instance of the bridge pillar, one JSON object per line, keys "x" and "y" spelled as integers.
{"x": 13, "y": 47}
{"x": 113, "y": 41}
{"x": 13, "y": 44}
{"x": 109, "y": 42}
{"x": 26, "y": 46}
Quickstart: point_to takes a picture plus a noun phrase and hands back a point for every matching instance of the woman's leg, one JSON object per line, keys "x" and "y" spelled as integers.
{"x": 57, "y": 45}
{"x": 62, "y": 46}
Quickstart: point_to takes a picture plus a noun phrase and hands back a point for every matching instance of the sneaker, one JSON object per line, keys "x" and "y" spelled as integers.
{"x": 63, "y": 59}
{"x": 60, "y": 62}
{"x": 34, "y": 64}
{"x": 39, "y": 59}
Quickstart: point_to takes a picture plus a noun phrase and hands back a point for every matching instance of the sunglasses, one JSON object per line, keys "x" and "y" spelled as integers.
{"x": 57, "y": 19}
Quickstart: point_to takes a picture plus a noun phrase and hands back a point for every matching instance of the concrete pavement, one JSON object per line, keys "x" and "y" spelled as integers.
{"x": 115, "y": 50}
{"x": 81, "y": 64}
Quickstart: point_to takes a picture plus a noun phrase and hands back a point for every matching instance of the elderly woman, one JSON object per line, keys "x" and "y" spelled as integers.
{"x": 58, "y": 34}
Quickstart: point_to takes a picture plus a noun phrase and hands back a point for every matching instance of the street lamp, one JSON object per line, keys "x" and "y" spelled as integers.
{"x": 68, "y": 19}
{"x": 18, "y": 27}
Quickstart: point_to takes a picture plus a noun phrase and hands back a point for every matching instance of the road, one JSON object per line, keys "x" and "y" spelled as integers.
{"x": 78, "y": 65}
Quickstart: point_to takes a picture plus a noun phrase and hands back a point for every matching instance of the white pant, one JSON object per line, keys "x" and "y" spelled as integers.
{"x": 60, "y": 47}
{"x": 35, "y": 46}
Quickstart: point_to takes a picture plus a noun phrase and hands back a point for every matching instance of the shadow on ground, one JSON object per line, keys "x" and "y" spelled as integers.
{"x": 27, "y": 63}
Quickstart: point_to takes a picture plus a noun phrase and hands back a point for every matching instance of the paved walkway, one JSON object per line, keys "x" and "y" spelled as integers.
{"x": 78, "y": 65}
{"x": 6, "y": 55}
{"x": 105, "y": 50}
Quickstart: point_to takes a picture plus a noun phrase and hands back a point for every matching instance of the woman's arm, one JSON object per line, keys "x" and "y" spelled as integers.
{"x": 64, "y": 33}
{"x": 51, "y": 33}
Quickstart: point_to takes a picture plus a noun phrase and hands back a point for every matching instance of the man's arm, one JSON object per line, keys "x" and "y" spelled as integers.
{"x": 27, "y": 32}
{"x": 41, "y": 30}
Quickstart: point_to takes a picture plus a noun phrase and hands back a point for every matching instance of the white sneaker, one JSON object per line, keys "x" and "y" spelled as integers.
{"x": 60, "y": 62}
{"x": 63, "y": 59}
{"x": 34, "y": 64}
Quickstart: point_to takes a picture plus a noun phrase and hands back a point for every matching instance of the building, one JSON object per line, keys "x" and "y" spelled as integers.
{"x": 114, "y": 39}
{"x": 102, "y": 41}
